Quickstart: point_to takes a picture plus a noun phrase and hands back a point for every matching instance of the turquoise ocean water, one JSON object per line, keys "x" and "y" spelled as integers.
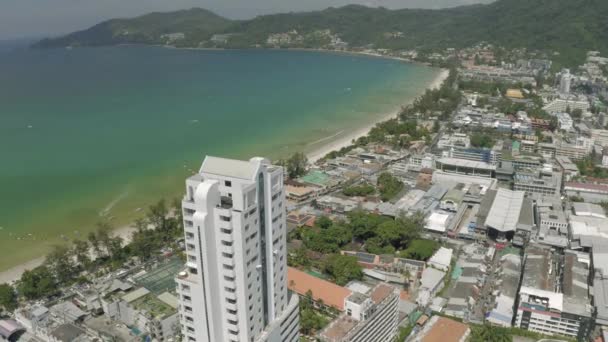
{"x": 104, "y": 131}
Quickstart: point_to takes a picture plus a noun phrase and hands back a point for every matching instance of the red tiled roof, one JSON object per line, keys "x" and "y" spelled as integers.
{"x": 590, "y": 186}
{"x": 330, "y": 293}
{"x": 446, "y": 330}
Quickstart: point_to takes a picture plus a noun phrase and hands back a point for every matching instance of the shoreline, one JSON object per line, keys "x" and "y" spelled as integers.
{"x": 346, "y": 140}
{"x": 13, "y": 274}
{"x": 325, "y": 145}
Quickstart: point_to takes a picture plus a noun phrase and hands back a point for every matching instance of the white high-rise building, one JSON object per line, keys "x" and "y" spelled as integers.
{"x": 565, "y": 81}
{"x": 234, "y": 287}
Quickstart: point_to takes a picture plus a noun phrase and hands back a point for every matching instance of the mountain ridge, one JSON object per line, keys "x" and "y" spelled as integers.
{"x": 566, "y": 26}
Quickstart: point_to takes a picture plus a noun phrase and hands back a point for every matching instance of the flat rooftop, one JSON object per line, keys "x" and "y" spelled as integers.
{"x": 538, "y": 268}
{"x": 505, "y": 211}
{"x": 339, "y": 328}
{"x": 467, "y": 163}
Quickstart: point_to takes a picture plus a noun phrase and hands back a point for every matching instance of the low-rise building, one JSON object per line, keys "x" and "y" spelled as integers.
{"x": 442, "y": 259}
{"x": 590, "y": 192}
{"x": 564, "y": 121}
{"x": 553, "y": 225}
{"x": 505, "y": 290}
{"x": 431, "y": 283}
{"x": 486, "y": 155}
{"x": 504, "y": 214}
{"x": 561, "y": 106}
{"x": 371, "y": 316}
{"x": 324, "y": 294}
{"x": 543, "y": 182}
{"x": 148, "y": 312}
{"x": 567, "y": 167}
{"x": 600, "y": 137}
{"x": 299, "y": 194}
{"x": 452, "y": 200}
{"x": 454, "y": 140}
{"x": 437, "y": 222}
{"x": 466, "y": 167}
{"x": 554, "y": 293}
{"x": 442, "y": 329}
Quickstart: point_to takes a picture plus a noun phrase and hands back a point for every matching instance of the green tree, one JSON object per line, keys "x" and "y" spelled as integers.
{"x": 323, "y": 222}
{"x": 60, "y": 262}
{"x": 157, "y": 216}
{"x": 343, "y": 268}
{"x": 412, "y": 226}
{"x": 37, "y": 283}
{"x": 144, "y": 242}
{"x": 8, "y": 297}
{"x": 390, "y": 233}
{"x": 363, "y": 225}
{"x": 296, "y": 165}
{"x": 420, "y": 250}
{"x": 311, "y": 322}
{"x": 359, "y": 190}
{"x": 375, "y": 245}
{"x": 389, "y": 186}
{"x": 80, "y": 250}
{"x": 298, "y": 258}
{"x": 488, "y": 333}
{"x": 94, "y": 241}
{"x": 482, "y": 140}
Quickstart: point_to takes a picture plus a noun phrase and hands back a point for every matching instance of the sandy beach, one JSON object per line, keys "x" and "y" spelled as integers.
{"x": 325, "y": 146}
{"x": 13, "y": 274}
{"x": 344, "y": 139}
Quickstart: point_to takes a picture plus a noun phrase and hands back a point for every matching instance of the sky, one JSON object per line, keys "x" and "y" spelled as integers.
{"x": 46, "y": 18}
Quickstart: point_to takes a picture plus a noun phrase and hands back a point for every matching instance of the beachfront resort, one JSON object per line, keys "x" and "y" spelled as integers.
{"x": 477, "y": 213}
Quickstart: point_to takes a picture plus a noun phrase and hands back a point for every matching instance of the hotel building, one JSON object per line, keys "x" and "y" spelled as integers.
{"x": 234, "y": 286}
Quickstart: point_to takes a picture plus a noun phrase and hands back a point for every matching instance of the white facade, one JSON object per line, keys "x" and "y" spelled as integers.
{"x": 564, "y": 121}
{"x": 565, "y": 81}
{"x": 234, "y": 287}
{"x": 370, "y": 317}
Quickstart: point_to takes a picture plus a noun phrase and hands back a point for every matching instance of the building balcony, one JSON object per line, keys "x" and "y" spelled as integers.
{"x": 230, "y": 295}
{"x": 231, "y": 316}
{"x": 228, "y": 261}
{"x": 225, "y": 202}
{"x": 230, "y": 273}
{"x": 226, "y": 237}
{"x": 227, "y": 249}
{"x": 231, "y": 306}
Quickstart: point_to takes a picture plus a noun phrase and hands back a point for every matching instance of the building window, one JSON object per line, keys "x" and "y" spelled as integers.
{"x": 228, "y": 183}
{"x": 224, "y": 218}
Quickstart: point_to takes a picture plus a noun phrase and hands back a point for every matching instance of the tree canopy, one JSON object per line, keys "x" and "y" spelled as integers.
{"x": 37, "y": 283}
{"x": 343, "y": 269}
{"x": 8, "y": 297}
{"x": 389, "y": 186}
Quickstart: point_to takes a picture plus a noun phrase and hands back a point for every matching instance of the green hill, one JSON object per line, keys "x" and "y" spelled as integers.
{"x": 570, "y": 27}
{"x": 196, "y": 24}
